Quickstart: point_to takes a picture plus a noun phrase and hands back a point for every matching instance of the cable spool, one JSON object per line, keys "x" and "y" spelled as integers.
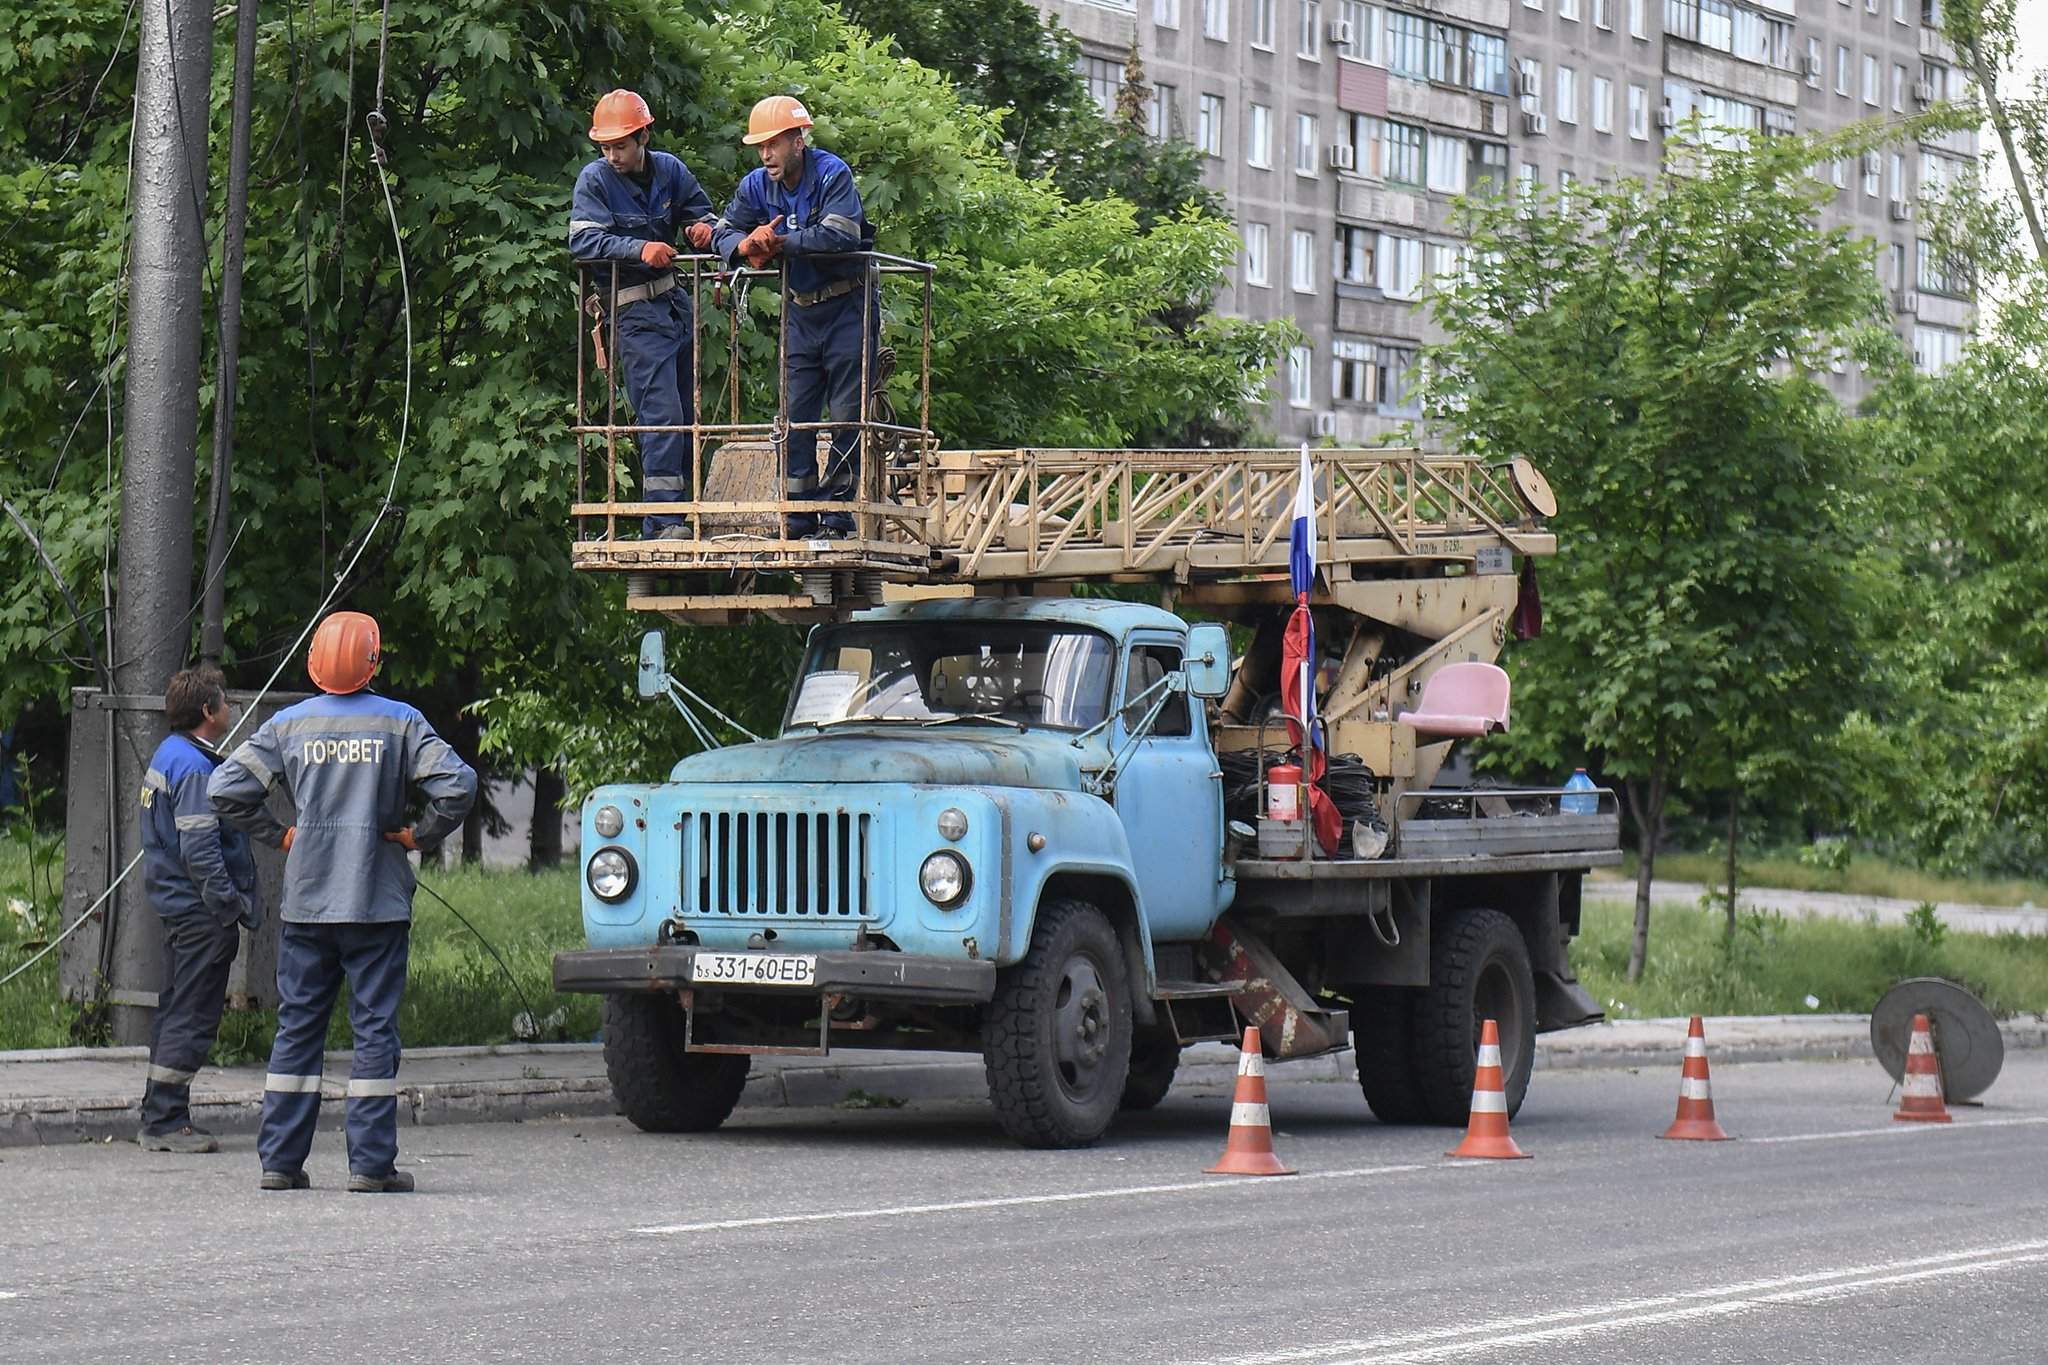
{"x": 1966, "y": 1036}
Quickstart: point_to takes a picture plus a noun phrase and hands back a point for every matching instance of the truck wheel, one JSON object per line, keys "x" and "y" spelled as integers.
{"x": 662, "y": 1088}
{"x": 1383, "y": 1040}
{"x": 1478, "y": 969}
{"x": 1155, "y": 1056}
{"x": 1057, "y": 1037}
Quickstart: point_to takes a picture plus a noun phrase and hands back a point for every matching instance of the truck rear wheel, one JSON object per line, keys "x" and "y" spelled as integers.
{"x": 661, "y": 1087}
{"x": 1383, "y": 1040}
{"x": 1478, "y": 969}
{"x": 1056, "y": 1040}
{"x": 1155, "y": 1056}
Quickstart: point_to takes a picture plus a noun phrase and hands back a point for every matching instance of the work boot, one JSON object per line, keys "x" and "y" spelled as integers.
{"x": 286, "y": 1180}
{"x": 187, "y": 1140}
{"x": 397, "y": 1182}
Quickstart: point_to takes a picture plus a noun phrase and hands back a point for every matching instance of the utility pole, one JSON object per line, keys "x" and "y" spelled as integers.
{"x": 160, "y": 425}
{"x": 213, "y": 614}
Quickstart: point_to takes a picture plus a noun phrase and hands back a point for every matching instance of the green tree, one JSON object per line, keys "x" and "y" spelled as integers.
{"x": 1655, "y": 350}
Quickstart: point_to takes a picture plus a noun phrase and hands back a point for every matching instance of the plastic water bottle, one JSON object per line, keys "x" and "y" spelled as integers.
{"x": 1586, "y": 804}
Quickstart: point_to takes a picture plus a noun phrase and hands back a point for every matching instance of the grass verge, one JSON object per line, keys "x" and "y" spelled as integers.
{"x": 1774, "y": 963}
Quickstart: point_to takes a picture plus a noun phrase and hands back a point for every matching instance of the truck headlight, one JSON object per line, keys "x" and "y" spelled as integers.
{"x": 944, "y": 879}
{"x": 611, "y": 874}
{"x": 608, "y": 822}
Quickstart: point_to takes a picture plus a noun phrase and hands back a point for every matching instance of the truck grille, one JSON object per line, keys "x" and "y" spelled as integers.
{"x": 808, "y": 863}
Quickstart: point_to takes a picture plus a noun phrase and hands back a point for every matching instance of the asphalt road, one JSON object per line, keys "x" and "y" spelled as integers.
{"x": 919, "y": 1234}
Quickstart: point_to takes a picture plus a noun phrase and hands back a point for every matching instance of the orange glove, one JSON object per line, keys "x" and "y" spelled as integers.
{"x": 699, "y": 235}
{"x": 291, "y": 832}
{"x": 657, "y": 254}
{"x": 763, "y": 244}
{"x": 403, "y": 838}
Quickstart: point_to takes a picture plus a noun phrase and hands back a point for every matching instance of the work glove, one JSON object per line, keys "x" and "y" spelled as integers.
{"x": 763, "y": 244}
{"x": 403, "y": 838}
{"x": 290, "y": 833}
{"x": 657, "y": 254}
{"x": 699, "y": 235}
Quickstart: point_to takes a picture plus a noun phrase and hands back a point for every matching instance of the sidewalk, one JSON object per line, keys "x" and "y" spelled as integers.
{"x": 91, "y": 1094}
{"x": 1973, "y": 919}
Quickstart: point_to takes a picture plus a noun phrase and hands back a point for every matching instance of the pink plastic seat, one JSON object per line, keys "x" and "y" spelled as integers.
{"x": 1463, "y": 699}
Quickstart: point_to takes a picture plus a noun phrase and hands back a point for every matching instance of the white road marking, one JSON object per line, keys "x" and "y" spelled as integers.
{"x": 1897, "y": 1128}
{"x": 1213, "y": 1184}
{"x": 5, "y": 1295}
{"x": 1417, "y": 1348}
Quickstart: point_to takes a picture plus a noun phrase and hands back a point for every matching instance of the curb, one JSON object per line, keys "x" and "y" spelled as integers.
{"x": 51, "y": 1120}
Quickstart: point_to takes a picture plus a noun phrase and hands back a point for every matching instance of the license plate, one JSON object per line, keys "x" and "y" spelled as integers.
{"x": 755, "y": 969}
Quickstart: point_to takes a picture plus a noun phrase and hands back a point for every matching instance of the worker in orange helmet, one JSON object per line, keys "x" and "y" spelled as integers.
{"x": 634, "y": 205}
{"x": 802, "y": 206}
{"x": 348, "y": 760}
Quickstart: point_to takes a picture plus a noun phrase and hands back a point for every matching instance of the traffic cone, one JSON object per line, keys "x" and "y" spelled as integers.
{"x": 1486, "y": 1134}
{"x": 1921, "y": 1101}
{"x": 1695, "y": 1093}
{"x": 1249, "y": 1150}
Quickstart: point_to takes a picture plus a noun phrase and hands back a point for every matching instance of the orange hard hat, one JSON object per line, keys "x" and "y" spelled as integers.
{"x": 345, "y": 652}
{"x": 774, "y": 116}
{"x": 619, "y": 114}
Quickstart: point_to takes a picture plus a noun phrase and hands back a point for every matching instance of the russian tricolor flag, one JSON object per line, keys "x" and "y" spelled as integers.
{"x": 1298, "y": 660}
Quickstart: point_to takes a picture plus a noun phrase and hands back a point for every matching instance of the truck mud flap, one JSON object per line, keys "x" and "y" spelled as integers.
{"x": 1289, "y": 1021}
{"x": 1561, "y": 1002}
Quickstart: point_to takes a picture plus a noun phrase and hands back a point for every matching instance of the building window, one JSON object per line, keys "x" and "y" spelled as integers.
{"x": 1310, "y": 39}
{"x": 1446, "y": 263}
{"x": 1407, "y": 45}
{"x": 1391, "y": 366}
{"x": 1930, "y": 13}
{"x": 1103, "y": 78}
{"x": 1216, "y": 20}
{"x": 1869, "y": 80}
{"x": 1488, "y": 68}
{"x": 1353, "y": 376}
{"x": 1486, "y": 170}
{"x": 1164, "y": 120}
{"x": 1898, "y": 178}
{"x": 1568, "y": 9}
{"x": 1565, "y": 181}
{"x": 1352, "y": 255}
{"x": 1447, "y": 54}
{"x": 1404, "y": 153}
{"x": 1898, "y": 88}
{"x": 1567, "y": 95}
{"x": 1936, "y": 348}
{"x": 1262, "y": 23}
{"x": 1257, "y": 237}
{"x": 1638, "y": 19}
{"x": 1209, "y": 129}
{"x": 1841, "y": 176}
{"x": 1638, "y": 113}
{"x": 1528, "y": 185}
{"x": 1365, "y": 22}
{"x": 1841, "y": 70}
{"x": 1939, "y": 173}
{"x": 1873, "y": 174}
{"x": 1939, "y": 276}
{"x": 1300, "y": 382}
{"x": 1603, "y": 14}
{"x": 1301, "y": 261}
{"x": 1532, "y": 4}
{"x": 1305, "y": 144}
{"x": 1529, "y": 82}
{"x": 1400, "y": 266}
{"x": 1259, "y": 138}
{"x": 1936, "y": 76}
{"x": 1166, "y": 13}
{"x": 1603, "y": 105}
{"x": 1446, "y": 164}
{"x": 1898, "y": 11}
{"x": 1368, "y": 143}
{"x": 1813, "y": 67}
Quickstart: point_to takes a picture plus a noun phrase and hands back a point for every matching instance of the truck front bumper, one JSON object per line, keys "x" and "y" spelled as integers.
{"x": 869, "y": 975}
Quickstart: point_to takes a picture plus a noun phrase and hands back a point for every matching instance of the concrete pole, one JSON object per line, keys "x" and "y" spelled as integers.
{"x": 213, "y": 615}
{"x": 160, "y": 426}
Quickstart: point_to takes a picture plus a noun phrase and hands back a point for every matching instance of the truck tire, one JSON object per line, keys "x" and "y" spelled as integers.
{"x": 659, "y": 1086}
{"x": 1155, "y": 1056}
{"x": 1478, "y": 969}
{"x": 1056, "y": 1040}
{"x": 1383, "y": 1040}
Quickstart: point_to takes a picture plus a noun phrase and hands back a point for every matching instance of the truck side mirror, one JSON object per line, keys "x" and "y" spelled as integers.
{"x": 653, "y": 665}
{"x": 1208, "y": 661}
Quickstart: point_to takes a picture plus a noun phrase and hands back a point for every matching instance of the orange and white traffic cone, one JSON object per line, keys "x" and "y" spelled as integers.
{"x": 1695, "y": 1093}
{"x": 1921, "y": 1101}
{"x": 1249, "y": 1150}
{"x": 1486, "y": 1133}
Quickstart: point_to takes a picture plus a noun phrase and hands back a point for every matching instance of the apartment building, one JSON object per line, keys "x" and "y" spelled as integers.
{"x": 1340, "y": 131}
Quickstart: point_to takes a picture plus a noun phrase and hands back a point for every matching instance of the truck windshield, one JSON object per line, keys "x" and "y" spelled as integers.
{"x": 1038, "y": 675}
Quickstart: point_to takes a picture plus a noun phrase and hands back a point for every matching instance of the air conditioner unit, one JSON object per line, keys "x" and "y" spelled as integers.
{"x": 1340, "y": 32}
{"x": 1902, "y": 211}
{"x": 1923, "y": 93}
{"x": 1666, "y": 117}
{"x": 1526, "y": 83}
{"x": 1907, "y": 301}
{"x": 1341, "y": 156}
{"x": 1326, "y": 424}
{"x": 1535, "y": 125}
{"x": 1813, "y": 68}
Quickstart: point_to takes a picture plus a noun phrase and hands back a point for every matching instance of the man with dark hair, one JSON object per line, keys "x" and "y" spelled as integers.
{"x": 201, "y": 879}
